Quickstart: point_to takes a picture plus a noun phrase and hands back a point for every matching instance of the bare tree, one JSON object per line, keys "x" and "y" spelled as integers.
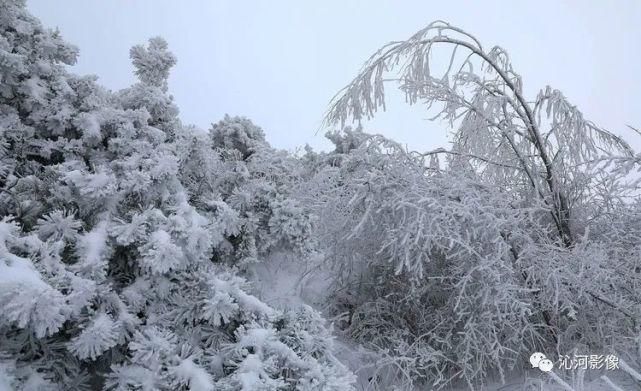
{"x": 542, "y": 146}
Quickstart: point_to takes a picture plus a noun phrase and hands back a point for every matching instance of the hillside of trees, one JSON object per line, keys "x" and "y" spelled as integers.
{"x": 141, "y": 253}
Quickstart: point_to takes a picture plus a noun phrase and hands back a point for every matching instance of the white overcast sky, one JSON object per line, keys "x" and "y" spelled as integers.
{"x": 280, "y": 62}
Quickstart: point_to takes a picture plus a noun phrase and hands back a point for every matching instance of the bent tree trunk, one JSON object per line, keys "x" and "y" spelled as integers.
{"x": 545, "y": 143}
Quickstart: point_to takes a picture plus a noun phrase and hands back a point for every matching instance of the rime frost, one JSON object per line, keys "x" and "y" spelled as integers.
{"x": 139, "y": 253}
{"x": 125, "y": 240}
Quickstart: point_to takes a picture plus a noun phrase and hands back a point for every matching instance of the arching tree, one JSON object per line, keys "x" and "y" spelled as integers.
{"x": 540, "y": 146}
{"x": 524, "y": 240}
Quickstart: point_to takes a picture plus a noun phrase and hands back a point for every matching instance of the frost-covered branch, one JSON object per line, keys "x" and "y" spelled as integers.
{"x": 488, "y": 109}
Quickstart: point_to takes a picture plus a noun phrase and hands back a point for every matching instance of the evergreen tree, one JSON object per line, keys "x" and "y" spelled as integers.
{"x": 107, "y": 270}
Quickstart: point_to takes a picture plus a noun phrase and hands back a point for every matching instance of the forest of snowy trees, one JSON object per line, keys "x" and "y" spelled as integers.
{"x": 141, "y": 253}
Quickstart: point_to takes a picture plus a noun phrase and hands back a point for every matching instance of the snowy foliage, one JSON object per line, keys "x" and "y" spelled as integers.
{"x": 121, "y": 229}
{"x": 512, "y": 247}
{"x": 446, "y": 276}
{"x": 128, "y": 240}
{"x": 238, "y": 134}
{"x": 541, "y": 146}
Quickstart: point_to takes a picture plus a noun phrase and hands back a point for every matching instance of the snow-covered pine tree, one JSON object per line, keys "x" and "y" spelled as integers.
{"x": 236, "y": 176}
{"x": 107, "y": 271}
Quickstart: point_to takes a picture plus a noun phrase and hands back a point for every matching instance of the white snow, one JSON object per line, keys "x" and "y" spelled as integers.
{"x": 196, "y": 377}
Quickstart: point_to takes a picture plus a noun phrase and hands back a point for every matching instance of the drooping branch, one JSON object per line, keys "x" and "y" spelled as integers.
{"x": 496, "y": 114}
